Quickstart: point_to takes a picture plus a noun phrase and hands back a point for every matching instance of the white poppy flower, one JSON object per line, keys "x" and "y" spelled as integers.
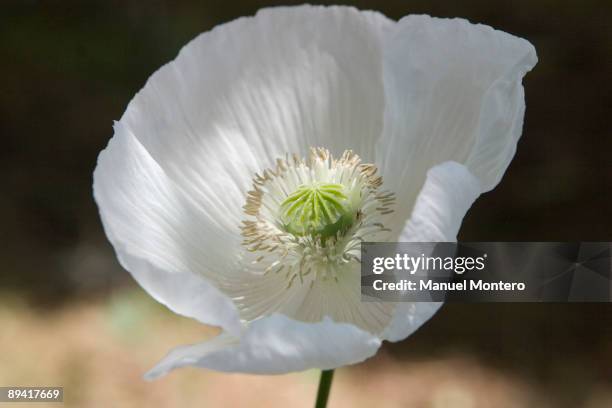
{"x": 242, "y": 178}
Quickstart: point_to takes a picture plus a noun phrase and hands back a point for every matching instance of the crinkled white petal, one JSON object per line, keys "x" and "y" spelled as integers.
{"x": 453, "y": 92}
{"x": 448, "y": 193}
{"x": 250, "y": 91}
{"x": 274, "y": 345}
{"x": 260, "y": 295}
{"x": 341, "y": 301}
{"x": 160, "y": 236}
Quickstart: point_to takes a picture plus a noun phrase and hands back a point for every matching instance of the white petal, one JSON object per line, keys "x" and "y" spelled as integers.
{"x": 160, "y": 236}
{"x": 449, "y": 191}
{"x": 453, "y": 93}
{"x": 248, "y": 92}
{"x": 408, "y": 318}
{"x": 190, "y": 354}
{"x": 341, "y": 301}
{"x": 275, "y": 345}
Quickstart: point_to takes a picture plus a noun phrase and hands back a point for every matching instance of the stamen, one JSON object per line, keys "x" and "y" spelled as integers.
{"x": 308, "y": 217}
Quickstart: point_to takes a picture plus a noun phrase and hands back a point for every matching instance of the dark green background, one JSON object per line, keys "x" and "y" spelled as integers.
{"x": 68, "y": 69}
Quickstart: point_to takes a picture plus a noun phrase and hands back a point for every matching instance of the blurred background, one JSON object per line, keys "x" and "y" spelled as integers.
{"x": 69, "y": 315}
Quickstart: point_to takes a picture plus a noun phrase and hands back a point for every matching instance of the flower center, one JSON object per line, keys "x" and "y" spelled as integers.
{"x": 307, "y": 217}
{"x": 319, "y": 209}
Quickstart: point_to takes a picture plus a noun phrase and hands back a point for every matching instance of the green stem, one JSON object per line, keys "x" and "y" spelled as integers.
{"x": 324, "y": 386}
